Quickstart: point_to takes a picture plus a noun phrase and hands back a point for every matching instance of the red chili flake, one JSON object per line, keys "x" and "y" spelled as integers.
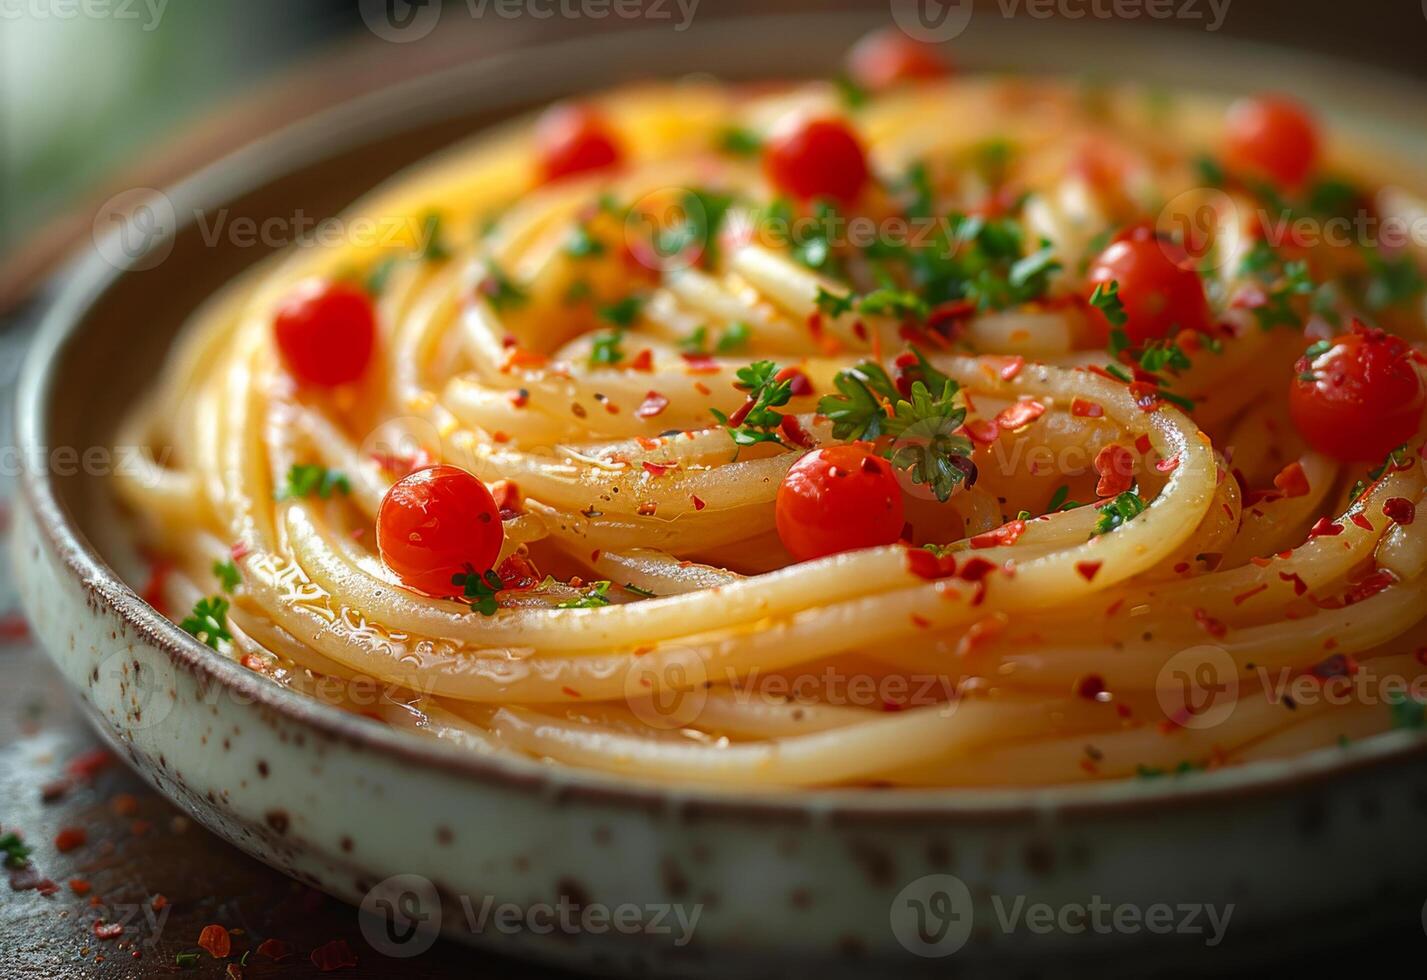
{"x": 801, "y": 385}
{"x": 1088, "y": 569}
{"x": 216, "y": 941}
{"x": 1142, "y": 444}
{"x": 976, "y": 569}
{"x": 506, "y": 494}
{"x": 1338, "y": 665}
{"x": 1146, "y": 396}
{"x": 982, "y": 431}
{"x": 153, "y": 591}
{"x": 518, "y": 357}
{"x": 70, "y": 838}
{"x": 570, "y": 692}
{"x": 702, "y": 388}
{"x": 700, "y": 364}
{"x": 1244, "y": 597}
{"x": 333, "y": 956}
{"x": 1291, "y": 481}
{"x": 1083, "y": 409}
{"x": 89, "y": 764}
{"x": 1116, "y": 468}
{"x": 643, "y": 361}
{"x": 159, "y": 903}
{"x": 1090, "y": 687}
{"x": 1019, "y": 415}
{"x": 140, "y": 827}
{"x": 1299, "y": 586}
{"x": 274, "y": 949}
{"x": 653, "y": 404}
{"x": 920, "y": 622}
{"x": 1370, "y": 586}
{"x": 930, "y": 566}
{"x": 792, "y": 431}
{"x": 980, "y": 633}
{"x": 1361, "y": 521}
{"x": 79, "y": 886}
{"x": 13, "y": 628}
{"x": 658, "y": 469}
{"x": 1013, "y": 367}
{"x": 1209, "y": 624}
{"x": 1115, "y": 606}
{"x": 1168, "y": 465}
{"x": 697, "y": 501}
{"x": 520, "y": 397}
{"x": 1007, "y": 534}
{"x": 107, "y": 930}
{"x": 1325, "y": 528}
{"x": 1400, "y": 510}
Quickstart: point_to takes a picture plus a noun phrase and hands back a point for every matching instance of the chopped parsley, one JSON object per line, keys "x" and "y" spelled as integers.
{"x": 853, "y": 96}
{"x": 228, "y": 575}
{"x": 583, "y": 245}
{"x": 1118, "y": 512}
{"x": 1408, "y": 712}
{"x": 433, "y": 245}
{"x": 597, "y": 596}
{"x": 622, "y": 313}
{"x": 605, "y": 349}
{"x": 642, "y": 593}
{"x": 379, "y": 275}
{"x": 479, "y": 589}
{"x": 306, "y": 479}
{"x": 739, "y": 142}
{"x": 208, "y": 621}
{"x": 1210, "y": 171}
{"x": 1282, "y": 282}
{"x": 499, "y": 290}
{"x": 1106, "y": 299}
{"x": 1392, "y": 282}
{"x": 924, "y": 427}
{"x": 17, "y": 852}
{"x": 1060, "y": 500}
{"x": 759, "y": 420}
{"x": 735, "y": 338}
{"x": 1398, "y": 457}
{"x": 702, "y": 213}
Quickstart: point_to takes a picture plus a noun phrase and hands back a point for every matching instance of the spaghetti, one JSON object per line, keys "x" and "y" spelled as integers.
{"x": 934, "y": 431}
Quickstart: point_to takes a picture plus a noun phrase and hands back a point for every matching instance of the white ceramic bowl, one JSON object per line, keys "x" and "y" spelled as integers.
{"x": 802, "y": 883}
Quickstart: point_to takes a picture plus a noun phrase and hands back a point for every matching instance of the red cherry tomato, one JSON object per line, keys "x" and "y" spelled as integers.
{"x": 819, "y": 158}
{"x": 325, "y": 332}
{"x": 838, "y": 499}
{"x": 888, "y": 57}
{"x": 1161, "y": 292}
{"x": 1272, "y": 137}
{"x": 436, "y": 524}
{"x": 1360, "y": 399}
{"x": 574, "y": 139}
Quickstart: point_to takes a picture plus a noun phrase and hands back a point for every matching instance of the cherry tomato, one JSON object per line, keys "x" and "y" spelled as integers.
{"x": 1272, "y": 137}
{"x": 840, "y": 498}
{"x": 819, "y": 158}
{"x": 888, "y": 57}
{"x": 1161, "y": 292}
{"x": 325, "y": 332}
{"x": 435, "y": 524}
{"x": 574, "y": 139}
{"x": 1360, "y": 399}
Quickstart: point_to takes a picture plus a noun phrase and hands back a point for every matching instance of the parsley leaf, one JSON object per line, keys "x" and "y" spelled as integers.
{"x": 605, "y": 349}
{"x": 856, "y": 411}
{"x": 583, "y": 245}
{"x": 499, "y": 290}
{"x": 739, "y": 142}
{"x": 622, "y": 313}
{"x": 306, "y": 479}
{"x": 17, "y": 852}
{"x": 479, "y": 589}
{"x": 208, "y": 621}
{"x": 735, "y": 337}
{"x": 433, "y": 245}
{"x": 758, "y": 420}
{"x": 928, "y": 446}
{"x": 1124, "y": 508}
{"x": 596, "y": 597}
{"x": 228, "y": 575}
{"x": 1106, "y": 299}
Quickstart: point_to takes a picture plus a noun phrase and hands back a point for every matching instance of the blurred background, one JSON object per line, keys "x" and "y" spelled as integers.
{"x": 99, "y": 94}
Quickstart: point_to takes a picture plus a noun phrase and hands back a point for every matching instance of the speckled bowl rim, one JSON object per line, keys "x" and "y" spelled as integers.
{"x": 88, "y": 277}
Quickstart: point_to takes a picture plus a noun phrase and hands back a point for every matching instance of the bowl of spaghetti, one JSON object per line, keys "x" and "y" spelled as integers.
{"x": 831, "y": 507}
